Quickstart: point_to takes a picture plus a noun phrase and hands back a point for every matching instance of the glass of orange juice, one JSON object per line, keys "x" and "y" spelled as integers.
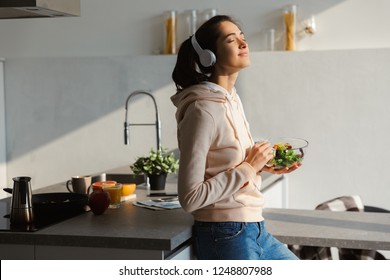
{"x": 99, "y": 185}
{"x": 115, "y": 192}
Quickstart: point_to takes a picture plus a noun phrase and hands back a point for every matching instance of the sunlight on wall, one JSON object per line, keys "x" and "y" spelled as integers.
{"x": 99, "y": 145}
{"x": 356, "y": 24}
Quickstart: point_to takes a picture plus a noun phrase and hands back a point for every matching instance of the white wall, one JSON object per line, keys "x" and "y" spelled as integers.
{"x": 351, "y": 24}
{"x": 3, "y": 170}
{"x": 126, "y": 27}
{"x": 70, "y": 111}
{"x": 338, "y": 101}
{"x": 67, "y": 80}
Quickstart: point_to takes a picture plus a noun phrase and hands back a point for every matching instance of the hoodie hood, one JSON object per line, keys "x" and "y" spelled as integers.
{"x": 202, "y": 91}
{"x": 214, "y": 93}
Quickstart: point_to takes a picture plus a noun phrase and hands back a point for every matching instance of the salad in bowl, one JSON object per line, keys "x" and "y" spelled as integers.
{"x": 288, "y": 151}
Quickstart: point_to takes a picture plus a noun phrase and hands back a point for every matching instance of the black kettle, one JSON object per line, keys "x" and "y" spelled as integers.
{"x": 21, "y": 203}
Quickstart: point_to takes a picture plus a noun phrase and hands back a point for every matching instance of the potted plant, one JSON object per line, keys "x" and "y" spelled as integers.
{"x": 156, "y": 166}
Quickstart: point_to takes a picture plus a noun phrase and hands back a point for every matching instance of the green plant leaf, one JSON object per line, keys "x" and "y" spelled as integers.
{"x": 157, "y": 162}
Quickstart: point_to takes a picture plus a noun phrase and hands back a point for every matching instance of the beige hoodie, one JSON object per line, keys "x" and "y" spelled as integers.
{"x": 215, "y": 184}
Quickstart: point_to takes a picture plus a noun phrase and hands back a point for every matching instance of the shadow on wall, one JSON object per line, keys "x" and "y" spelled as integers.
{"x": 47, "y": 98}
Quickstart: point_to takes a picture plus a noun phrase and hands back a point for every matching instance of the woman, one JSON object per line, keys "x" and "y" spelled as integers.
{"x": 219, "y": 177}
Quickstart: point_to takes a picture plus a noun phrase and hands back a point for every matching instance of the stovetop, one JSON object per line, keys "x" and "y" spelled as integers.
{"x": 5, "y": 224}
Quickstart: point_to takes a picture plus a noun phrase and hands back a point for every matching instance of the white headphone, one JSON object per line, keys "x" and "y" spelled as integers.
{"x": 207, "y": 58}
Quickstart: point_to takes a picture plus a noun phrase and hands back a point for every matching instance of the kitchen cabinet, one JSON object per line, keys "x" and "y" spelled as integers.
{"x": 17, "y": 252}
{"x": 43, "y": 252}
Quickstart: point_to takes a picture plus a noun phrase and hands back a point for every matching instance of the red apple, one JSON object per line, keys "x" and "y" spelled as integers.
{"x": 99, "y": 201}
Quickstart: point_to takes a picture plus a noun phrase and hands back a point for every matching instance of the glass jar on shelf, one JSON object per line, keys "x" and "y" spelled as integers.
{"x": 192, "y": 21}
{"x": 170, "y": 31}
{"x": 270, "y": 40}
{"x": 290, "y": 18}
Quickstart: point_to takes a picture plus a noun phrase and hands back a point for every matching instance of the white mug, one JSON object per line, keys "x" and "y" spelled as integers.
{"x": 80, "y": 184}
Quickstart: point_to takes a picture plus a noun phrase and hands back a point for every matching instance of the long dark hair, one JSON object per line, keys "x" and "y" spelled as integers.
{"x": 188, "y": 70}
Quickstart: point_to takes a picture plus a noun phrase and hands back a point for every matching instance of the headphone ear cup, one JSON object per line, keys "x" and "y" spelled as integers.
{"x": 207, "y": 58}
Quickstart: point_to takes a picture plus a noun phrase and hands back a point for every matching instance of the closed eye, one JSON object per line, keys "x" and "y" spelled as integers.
{"x": 235, "y": 40}
{"x": 232, "y": 37}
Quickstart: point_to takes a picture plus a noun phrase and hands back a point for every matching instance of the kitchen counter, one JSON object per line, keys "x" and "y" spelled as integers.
{"x": 132, "y": 232}
{"x": 358, "y": 230}
{"x": 129, "y": 232}
{"x": 129, "y": 229}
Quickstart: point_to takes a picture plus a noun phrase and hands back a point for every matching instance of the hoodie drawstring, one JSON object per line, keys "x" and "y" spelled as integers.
{"x": 233, "y": 123}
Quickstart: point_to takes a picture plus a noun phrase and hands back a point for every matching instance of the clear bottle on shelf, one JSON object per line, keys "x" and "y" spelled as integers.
{"x": 270, "y": 40}
{"x": 192, "y": 21}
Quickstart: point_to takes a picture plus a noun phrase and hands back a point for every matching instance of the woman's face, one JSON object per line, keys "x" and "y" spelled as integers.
{"x": 232, "y": 49}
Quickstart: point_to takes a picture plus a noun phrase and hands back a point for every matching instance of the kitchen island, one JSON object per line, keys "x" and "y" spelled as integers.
{"x": 129, "y": 232}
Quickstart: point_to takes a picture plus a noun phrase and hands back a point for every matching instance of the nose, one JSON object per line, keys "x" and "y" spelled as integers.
{"x": 243, "y": 44}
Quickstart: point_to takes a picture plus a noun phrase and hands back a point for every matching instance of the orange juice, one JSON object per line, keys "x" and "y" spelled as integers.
{"x": 98, "y": 185}
{"x": 115, "y": 192}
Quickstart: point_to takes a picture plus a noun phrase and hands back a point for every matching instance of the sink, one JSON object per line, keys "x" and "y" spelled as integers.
{"x": 120, "y": 178}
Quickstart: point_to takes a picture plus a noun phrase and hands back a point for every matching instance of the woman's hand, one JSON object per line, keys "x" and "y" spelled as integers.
{"x": 285, "y": 170}
{"x": 259, "y": 155}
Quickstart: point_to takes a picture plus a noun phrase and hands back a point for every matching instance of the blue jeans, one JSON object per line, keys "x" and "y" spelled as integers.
{"x": 237, "y": 241}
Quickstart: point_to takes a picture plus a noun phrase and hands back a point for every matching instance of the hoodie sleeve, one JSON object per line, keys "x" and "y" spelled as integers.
{"x": 196, "y": 135}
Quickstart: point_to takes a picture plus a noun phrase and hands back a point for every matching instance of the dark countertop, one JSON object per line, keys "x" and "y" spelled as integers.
{"x": 129, "y": 227}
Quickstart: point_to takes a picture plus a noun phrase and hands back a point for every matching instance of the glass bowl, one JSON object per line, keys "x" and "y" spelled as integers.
{"x": 288, "y": 151}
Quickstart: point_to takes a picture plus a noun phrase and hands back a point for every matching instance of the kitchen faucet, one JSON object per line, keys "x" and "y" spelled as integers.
{"x": 157, "y": 123}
